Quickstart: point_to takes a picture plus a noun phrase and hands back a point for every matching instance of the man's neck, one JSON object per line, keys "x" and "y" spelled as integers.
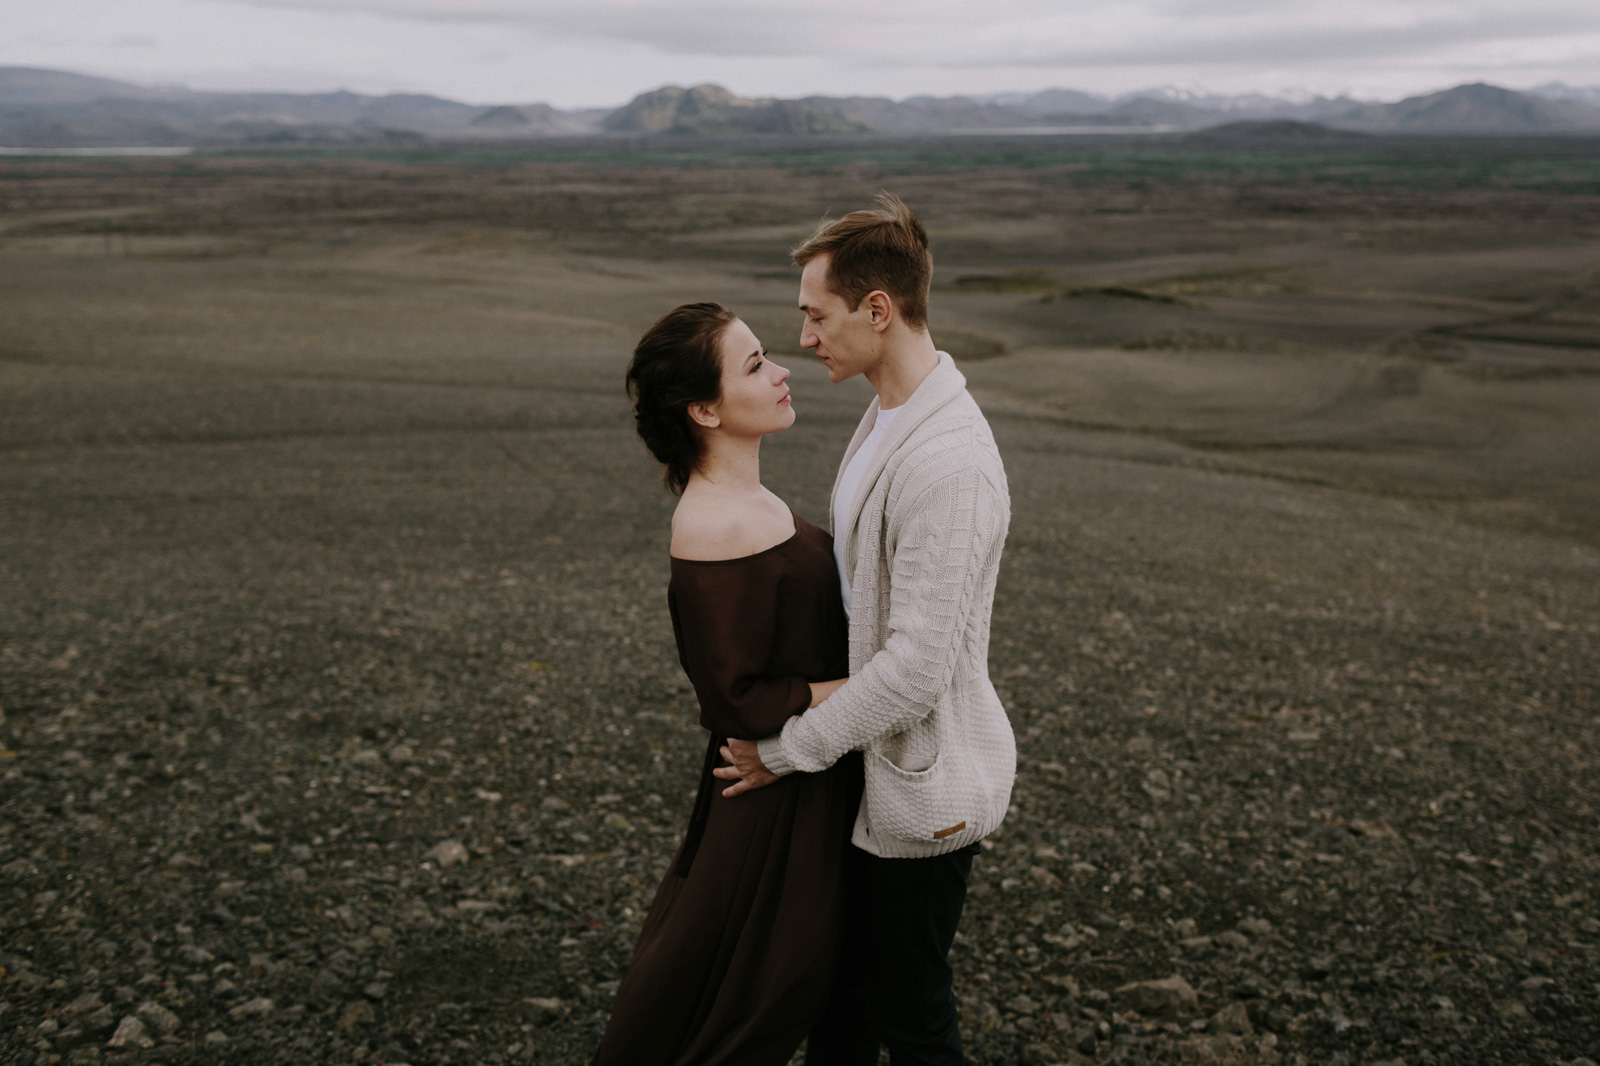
{"x": 906, "y": 364}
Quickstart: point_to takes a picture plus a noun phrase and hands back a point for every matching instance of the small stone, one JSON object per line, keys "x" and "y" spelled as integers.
{"x": 1083, "y": 869}
{"x": 161, "y": 1020}
{"x": 375, "y": 989}
{"x": 1186, "y": 927}
{"x": 546, "y": 1009}
{"x": 448, "y": 853}
{"x": 1037, "y": 1054}
{"x": 402, "y": 753}
{"x": 216, "y": 1038}
{"x": 1230, "y": 939}
{"x": 196, "y": 956}
{"x": 326, "y": 984}
{"x": 1256, "y": 926}
{"x": 1234, "y": 1019}
{"x": 1043, "y": 877}
{"x": 89, "y": 1001}
{"x": 1317, "y": 969}
{"x": 356, "y": 1013}
{"x": 1196, "y": 945}
{"x": 130, "y": 1033}
{"x": 1511, "y": 1010}
{"x": 1167, "y": 997}
{"x": 554, "y": 803}
{"x": 252, "y": 1007}
{"x": 101, "y": 1021}
{"x": 224, "y": 989}
{"x": 982, "y": 1015}
{"x": 1023, "y": 1005}
{"x": 366, "y": 757}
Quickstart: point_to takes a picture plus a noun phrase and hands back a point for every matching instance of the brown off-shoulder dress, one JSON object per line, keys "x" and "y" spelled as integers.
{"x": 737, "y": 954}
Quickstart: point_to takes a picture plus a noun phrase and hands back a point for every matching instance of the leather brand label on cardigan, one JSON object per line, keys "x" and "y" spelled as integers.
{"x": 958, "y": 827}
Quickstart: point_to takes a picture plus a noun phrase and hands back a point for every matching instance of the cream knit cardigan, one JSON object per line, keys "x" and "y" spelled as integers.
{"x": 922, "y": 547}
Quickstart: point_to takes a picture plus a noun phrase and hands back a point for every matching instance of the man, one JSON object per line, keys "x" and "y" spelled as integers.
{"x": 920, "y": 509}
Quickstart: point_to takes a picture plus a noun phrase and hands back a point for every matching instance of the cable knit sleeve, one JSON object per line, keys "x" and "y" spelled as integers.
{"x": 724, "y": 618}
{"x": 941, "y": 538}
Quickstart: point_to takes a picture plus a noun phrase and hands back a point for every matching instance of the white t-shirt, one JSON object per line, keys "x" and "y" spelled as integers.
{"x": 849, "y": 484}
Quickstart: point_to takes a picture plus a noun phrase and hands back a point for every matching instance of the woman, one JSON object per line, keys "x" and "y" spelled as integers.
{"x": 736, "y": 955}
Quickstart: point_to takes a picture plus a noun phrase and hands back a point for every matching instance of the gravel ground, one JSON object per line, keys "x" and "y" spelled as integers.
{"x": 325, "y": 744}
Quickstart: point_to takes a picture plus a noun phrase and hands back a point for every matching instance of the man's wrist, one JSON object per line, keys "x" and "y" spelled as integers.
{"x": 772, "y": 757}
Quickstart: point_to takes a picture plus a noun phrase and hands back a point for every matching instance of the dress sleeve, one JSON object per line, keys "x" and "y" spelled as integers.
{"x": 724, "y": 618}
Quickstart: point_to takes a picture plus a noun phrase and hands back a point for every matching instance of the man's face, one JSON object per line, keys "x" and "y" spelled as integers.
{"x": 838, "y": 334}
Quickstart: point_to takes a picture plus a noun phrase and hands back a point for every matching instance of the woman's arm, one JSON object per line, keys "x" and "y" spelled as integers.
{"x": 821, "y": 690}
{"x": 724, "y": 620}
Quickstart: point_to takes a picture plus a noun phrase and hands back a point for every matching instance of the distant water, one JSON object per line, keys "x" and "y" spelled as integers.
{"x": 97, "y": 151}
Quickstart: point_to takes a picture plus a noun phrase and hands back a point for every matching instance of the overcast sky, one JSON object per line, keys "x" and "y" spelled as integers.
{"x": 601, "y": 52}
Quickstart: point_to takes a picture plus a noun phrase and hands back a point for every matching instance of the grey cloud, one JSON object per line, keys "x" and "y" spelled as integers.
{"x": 1021, "y": 35}
{"x": 711, "y": 31}
{"x": 1289, "y": 45}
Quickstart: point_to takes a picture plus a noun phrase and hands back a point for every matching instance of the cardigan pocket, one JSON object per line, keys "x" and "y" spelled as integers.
{"x": 904, "y": 804}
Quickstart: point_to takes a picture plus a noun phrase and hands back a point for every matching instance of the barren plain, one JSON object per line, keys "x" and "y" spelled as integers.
{"x": 340, "y": 717}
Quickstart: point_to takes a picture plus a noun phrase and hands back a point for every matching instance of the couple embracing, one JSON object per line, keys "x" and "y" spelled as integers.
{"x": 858, "y": 752}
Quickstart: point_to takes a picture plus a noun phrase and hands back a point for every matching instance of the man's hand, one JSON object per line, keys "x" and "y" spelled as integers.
{"x": 744, "y": 768}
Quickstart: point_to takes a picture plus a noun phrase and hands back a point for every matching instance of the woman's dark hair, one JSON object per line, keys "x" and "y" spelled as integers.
{"x": 675, "y": 364}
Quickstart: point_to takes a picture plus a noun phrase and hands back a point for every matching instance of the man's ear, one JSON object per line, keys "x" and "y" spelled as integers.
{"x": 880, "y": 308}
{"x": 705, "y": 415}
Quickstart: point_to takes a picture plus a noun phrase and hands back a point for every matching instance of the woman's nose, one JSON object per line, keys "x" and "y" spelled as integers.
{"x": 783, "y": 373}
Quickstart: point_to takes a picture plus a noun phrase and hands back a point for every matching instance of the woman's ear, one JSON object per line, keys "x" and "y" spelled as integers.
{"x": 705, "y": 415}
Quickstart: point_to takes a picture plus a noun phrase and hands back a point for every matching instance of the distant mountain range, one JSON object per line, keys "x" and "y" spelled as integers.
{"x": 51, "y": 108}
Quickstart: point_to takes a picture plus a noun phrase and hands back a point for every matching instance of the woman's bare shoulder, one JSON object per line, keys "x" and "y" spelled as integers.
{"x": 713, "y": 528}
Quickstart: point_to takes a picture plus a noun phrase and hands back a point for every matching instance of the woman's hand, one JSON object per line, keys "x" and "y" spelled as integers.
{"x": 821, "y": 690}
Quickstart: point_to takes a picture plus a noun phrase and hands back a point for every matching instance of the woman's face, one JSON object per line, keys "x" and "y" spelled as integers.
{"x": 755, "y": 390}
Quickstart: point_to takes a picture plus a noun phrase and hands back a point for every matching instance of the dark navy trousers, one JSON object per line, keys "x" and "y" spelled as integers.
{"x": 893, "y": 986}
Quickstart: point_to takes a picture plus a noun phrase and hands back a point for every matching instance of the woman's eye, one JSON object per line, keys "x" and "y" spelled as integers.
{"x": 756, "y": 367}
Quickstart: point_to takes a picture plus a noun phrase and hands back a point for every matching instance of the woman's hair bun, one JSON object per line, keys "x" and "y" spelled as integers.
{"x": 675, "y": 364}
